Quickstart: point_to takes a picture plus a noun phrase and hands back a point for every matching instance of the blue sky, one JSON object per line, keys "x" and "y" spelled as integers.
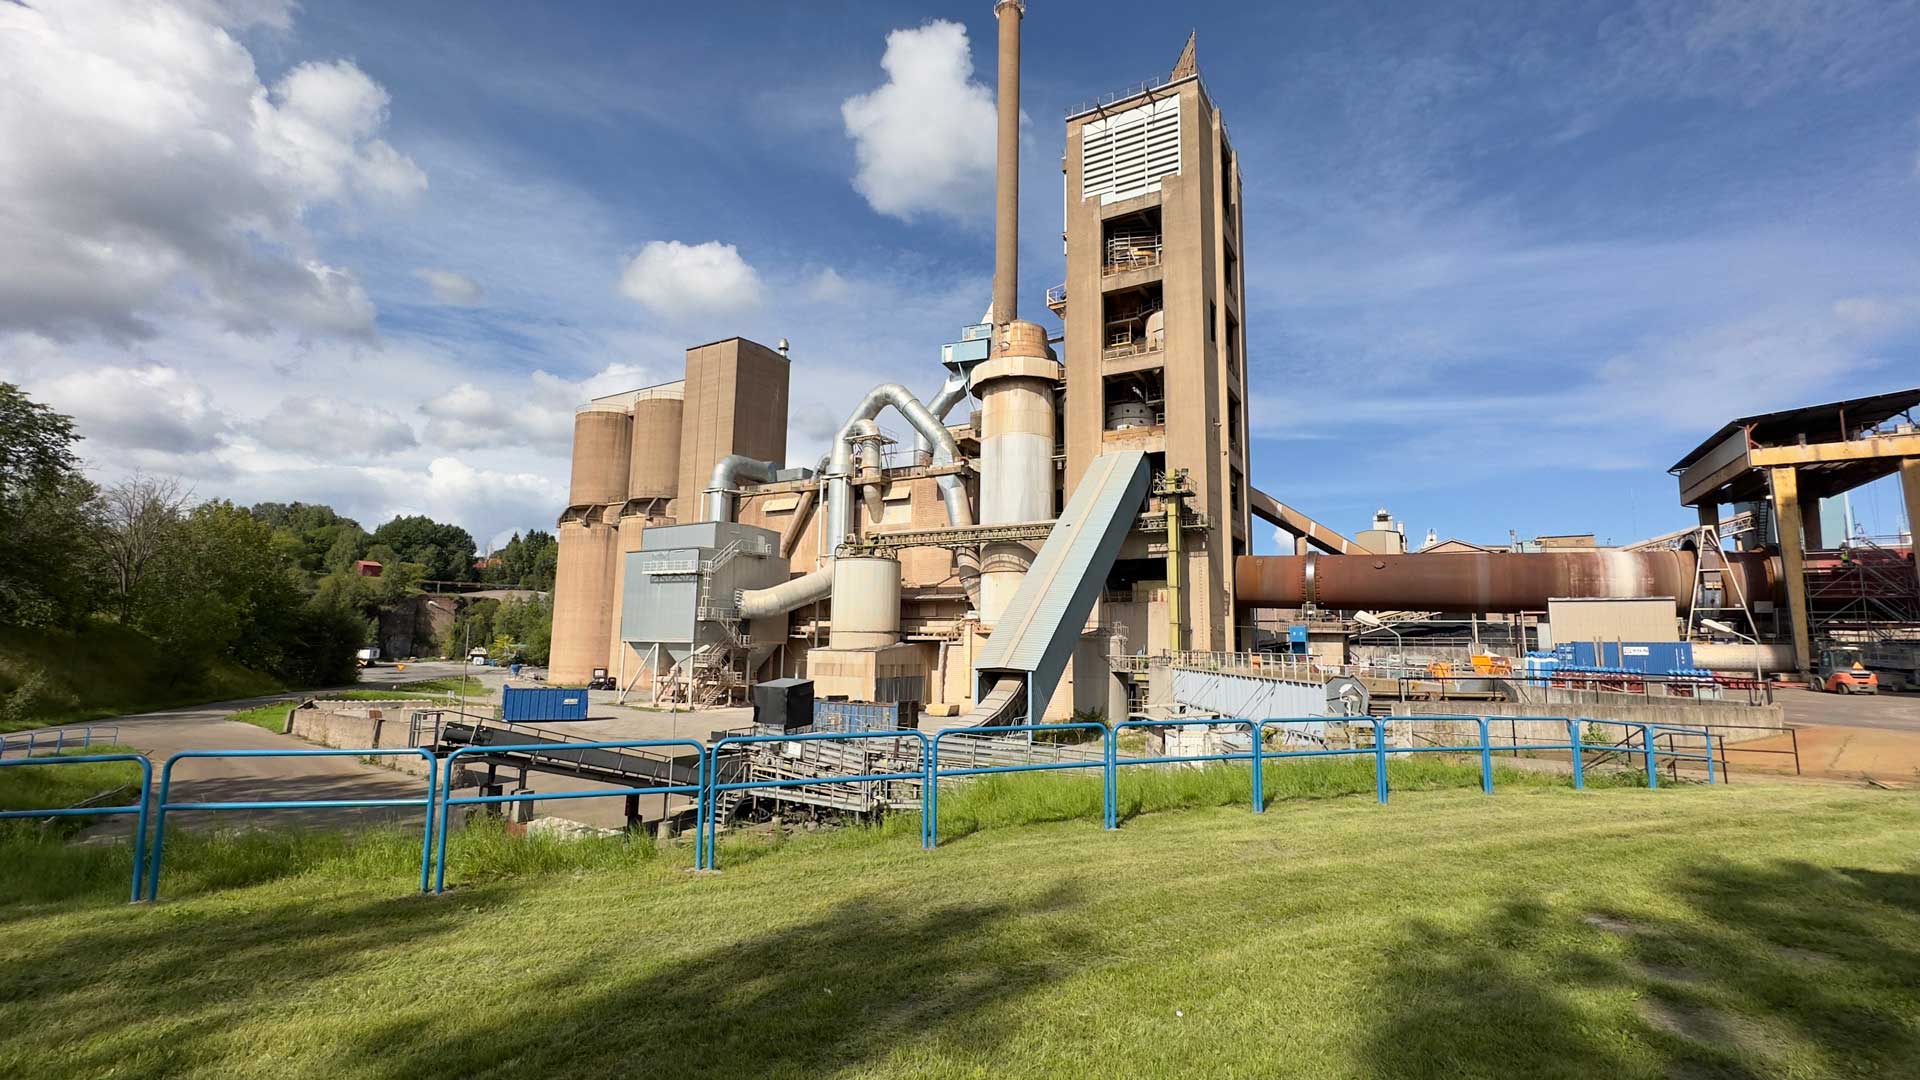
{"x": 1506, "y": 262}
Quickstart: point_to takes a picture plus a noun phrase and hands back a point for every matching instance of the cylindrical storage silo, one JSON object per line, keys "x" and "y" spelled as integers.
{"x": 602, "y": 448}
{"x": 622, "y": 663}
{"x": 655, "y": 462}
{"x": 866, "y": 602}
{"x": 582, "y": 599}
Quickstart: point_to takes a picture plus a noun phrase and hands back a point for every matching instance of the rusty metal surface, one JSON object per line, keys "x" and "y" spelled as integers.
{"x": 1478, "y": 581}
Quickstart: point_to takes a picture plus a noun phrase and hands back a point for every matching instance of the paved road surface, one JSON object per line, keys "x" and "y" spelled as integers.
{"x": 1888, "y": 711}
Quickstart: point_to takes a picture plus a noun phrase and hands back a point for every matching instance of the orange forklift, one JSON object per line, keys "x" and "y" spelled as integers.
{"x": 1842, "y": 670}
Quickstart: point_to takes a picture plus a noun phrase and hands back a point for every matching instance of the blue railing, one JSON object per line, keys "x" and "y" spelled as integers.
{"x": 708, "y": 785}
{"x": 163, "y": 805}
{"x": 57, "y": 740}
{"x": 448, "y": 801}
{"x": 930, "y": 814}
{"x": 709, "y": 823}
{"x": 139, "y": 808}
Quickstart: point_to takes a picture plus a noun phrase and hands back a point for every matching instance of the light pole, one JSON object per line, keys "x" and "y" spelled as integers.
{"x": 466, "y": 651}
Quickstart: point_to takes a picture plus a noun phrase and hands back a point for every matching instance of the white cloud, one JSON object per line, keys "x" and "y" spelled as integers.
{"x": 145, "y": 169}
{"x": 153, "y": 408}
{"x": 677, "y": 280}
{"x": 329, "y": 428}
{"x": 452, "y": 288}
{"x": 924, "y": 139}
{"x": 829, "y": 287}
{"x": 539, "y": 415}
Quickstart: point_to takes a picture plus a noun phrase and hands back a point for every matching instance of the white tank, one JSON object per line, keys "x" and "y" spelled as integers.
{"x": 866, "y": 602}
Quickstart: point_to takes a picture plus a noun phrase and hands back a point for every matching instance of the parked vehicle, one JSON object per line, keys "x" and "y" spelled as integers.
{"x": 1844, "y": 671}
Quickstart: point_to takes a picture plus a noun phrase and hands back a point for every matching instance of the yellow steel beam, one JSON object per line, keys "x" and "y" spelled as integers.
{"x": 1786, "y": 508}
{"x": 1714, "y": 469}
{"x": 1867, "y": 449}
{"x": 1910, "y": 487}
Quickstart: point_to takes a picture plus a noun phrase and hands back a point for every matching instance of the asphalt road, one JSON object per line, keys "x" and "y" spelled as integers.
{"x": 1885, "y": 711}
{"x": 253, "y": 779}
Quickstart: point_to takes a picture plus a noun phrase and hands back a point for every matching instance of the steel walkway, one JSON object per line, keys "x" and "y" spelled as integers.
{"x": 1016, "y": 672}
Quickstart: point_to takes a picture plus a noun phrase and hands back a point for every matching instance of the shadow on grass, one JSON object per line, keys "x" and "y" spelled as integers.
{"x": 868, "y": 979}
{"x": 151, "y": 992}
{"x": 1786, "y": 968}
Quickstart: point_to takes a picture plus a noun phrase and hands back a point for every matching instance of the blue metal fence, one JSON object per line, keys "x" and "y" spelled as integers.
{"x": 708, "y": 786}
{"x": 448, "y": 801}
{"x": 58, "y": 740}
{"x": 163, "y": 805}
{"x": 709, "y": 823}
{"x": 139, "y": 808}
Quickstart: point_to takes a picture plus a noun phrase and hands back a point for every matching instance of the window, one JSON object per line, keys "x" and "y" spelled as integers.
{"x": 1134, "y": 400}
{"x": 1126, "y": 154}
{"x": 1213, "y": 319}
{"x": 1134, "y": 322}
{"x": 1133, "y": 241}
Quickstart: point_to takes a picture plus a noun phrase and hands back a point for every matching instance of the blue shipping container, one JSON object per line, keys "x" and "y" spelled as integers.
{"x": 526, "y": 704}
{"x": 1646, "y": 657}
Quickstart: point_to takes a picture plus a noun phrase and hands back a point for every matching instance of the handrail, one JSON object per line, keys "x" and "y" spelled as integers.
{"x": 87, "y": 736}
{"x": 931, "y": 824}
{"x": 140, "y": 808}
{"x": 448, "y": 801}
{"x": 710, "y": 819}
{"x": 166, "y": 783}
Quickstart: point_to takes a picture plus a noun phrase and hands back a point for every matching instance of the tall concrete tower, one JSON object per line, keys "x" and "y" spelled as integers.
{"x": 1154, "y": 311}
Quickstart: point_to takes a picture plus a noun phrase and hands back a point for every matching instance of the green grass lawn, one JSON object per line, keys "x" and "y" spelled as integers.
{"x": 1745, "y": 931}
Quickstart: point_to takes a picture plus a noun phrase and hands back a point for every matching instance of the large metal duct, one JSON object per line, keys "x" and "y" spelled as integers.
{"x": 784, "y": 597}
{"x": 866, "y": 602}
{"x": 654, "y": 471}
{"x": 951, "y": 393}
{"x": 840, "y": 515}
{"x": 1480, "y": 581}
{"x": 725, "y": 482}
{"x": 602, "y": 449}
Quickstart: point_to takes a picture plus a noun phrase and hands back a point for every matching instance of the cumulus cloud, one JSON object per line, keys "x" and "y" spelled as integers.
{"x": 153, "y": 408}
{"x": 452, "y": 288}
{"x": 539, "y": 415}
{"x": 675, "y": 279}
{"x": 828, "y": 287}
{"x": 145, "y": 168}
{"x": 327, "y": 428}
{"x": 924, "y": 139}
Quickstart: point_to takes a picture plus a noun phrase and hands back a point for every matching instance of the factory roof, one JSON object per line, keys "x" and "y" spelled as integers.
{"x": 1835, "y": 421}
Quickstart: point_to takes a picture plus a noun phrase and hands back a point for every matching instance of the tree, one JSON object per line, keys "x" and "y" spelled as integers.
{"x": 45, "y": 504}
{"x": 530, "y": 624}
{"x": 137, "y": 519}
{"x": 446, "y": 550}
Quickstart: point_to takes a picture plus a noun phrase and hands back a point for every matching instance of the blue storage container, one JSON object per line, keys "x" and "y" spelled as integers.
{"x": 1641, "y": 657}
{"x": 864, "y": 716}
{"x": 527, "y": 704}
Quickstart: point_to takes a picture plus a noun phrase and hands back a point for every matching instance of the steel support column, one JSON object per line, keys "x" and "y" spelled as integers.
{"x": 1793, "y": 563}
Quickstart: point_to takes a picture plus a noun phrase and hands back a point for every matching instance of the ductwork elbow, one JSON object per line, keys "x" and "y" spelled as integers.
{"x": 784, "y": 597}
{"x": 728, "y": 472}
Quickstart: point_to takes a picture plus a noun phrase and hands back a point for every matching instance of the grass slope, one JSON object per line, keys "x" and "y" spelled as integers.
{"x": 1739, "y": 932}
{"x": 108, "y": 670}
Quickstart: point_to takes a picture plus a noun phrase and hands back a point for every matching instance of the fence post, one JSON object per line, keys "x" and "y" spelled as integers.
{"x": 1486, "y": 758}
{"x": 1111, "y": 775}
{"x": 930, "y": 802}
{"x": 1579, "y": 756}
{"x": 1257, "y": 729}
{"x": 1653, "y": 767}
{"x": 1709, "y": 740}
{"x": 1380, "y": 759}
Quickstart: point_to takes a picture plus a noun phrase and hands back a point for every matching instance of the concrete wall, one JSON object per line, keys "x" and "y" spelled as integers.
{"x": 1692, "y": 714}
{"x": 353, "y": 725}
{"x": 734, "y": 402}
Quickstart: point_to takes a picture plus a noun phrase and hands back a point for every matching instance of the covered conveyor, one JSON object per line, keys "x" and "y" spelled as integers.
{"x": 1015, "y": 674}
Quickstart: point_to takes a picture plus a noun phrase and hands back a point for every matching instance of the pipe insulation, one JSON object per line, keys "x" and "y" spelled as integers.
{"x": 725, "y": 482}
{"x": 1482, "y": 581}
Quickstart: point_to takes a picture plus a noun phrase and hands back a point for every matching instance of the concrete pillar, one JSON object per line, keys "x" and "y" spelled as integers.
{"x": 1810, "y": 524}
{"x": 1910, "y": 487}
{"x": 1709, "y": 515}
{"x": 1793, "y": 563}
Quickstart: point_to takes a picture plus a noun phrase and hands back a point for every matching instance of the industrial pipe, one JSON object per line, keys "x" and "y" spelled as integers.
{"x": 725, "y": 482}
{"x": 1481, "y": 581}
{"x": 784, "y": 597}
{"x": 840, "y": 517}
{"x": 951, "y": 393}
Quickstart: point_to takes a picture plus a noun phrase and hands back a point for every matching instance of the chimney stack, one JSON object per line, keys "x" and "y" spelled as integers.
{"x": 1006, "y": 187}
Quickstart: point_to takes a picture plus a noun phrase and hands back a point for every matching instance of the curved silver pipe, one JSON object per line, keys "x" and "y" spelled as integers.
{"x": 725, "y": 482}
{"x": 951, "y": 393}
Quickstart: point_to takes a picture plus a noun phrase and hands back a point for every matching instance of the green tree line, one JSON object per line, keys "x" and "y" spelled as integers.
{"x": 274, "y": 588}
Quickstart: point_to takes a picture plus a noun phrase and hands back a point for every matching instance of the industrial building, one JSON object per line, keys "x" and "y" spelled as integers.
{"x": 1088, "y": 512}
